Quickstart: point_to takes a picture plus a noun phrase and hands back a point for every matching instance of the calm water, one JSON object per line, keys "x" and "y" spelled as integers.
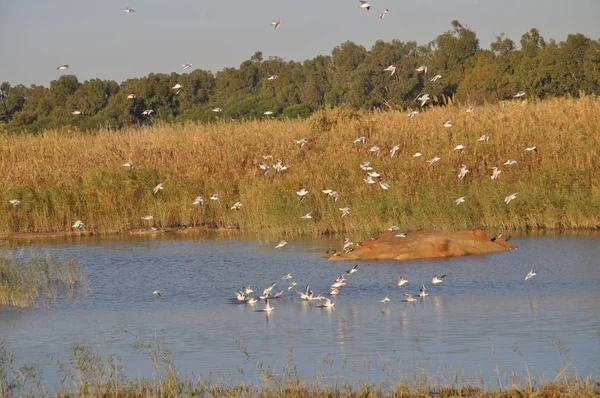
{"x": 484, "y": 317}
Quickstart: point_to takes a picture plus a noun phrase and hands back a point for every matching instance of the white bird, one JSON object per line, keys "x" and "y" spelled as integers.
{"x": 437, "y": 279}
{"x": 448, "y": 123}
{"x": 247, "y": 290}
{"x": 198, "y": 201}
{"x": 463, "y": 172}
{"x": 393, "y": 228}
{"x": 366, "y": 166}
{"x": 129, "y": 164}
{"x": 76, "y": 112}
{"x": 217, "y": 110}
{"x": 268, "y": 113}
{"x": 281, "y": 244}
{"x": 264, "y": 167}
{"x": 418, "y": 154}
{"x": 413, "y": 114}
{"x": 128, "y": 10}
{"x": 394, "y": 149}
{"x": 327, "y": 304}
{"x": 291, "y": 286}
{"x": 157, "y": 188}
{"x": 345, "y": 211}
{"x": 279, "y": 166}
{"x": 510, "y": 162}
{"x": 364, "y": 4}
{"x": 459, "y": 147}
{"x": 236, "y": 206}
{"x": 215, "y": 196}
{"x": 63, "y": 67}
{"x": 176, "y": 86}
{"x": 186, "y": 66}
{"x": 14, "y": 202}
{"x": 352, "y": 270}
{"x": 361, "y": 140}
{"x": 384, "y": 185}
{"x": 391, "y": 69}
{"x": 421, "y": 68}
{"x": 385, "y": 299}
{"x": 301, "y": 142}
{"x": 373, "y": 174}
{"x": 369, "y": 180}
{"x": 531, "y": 149}
{"x": 240, "y": 296}
{"x": 433, "y": 160}
{"x": 268, "y": 307}
{"x": 409, "y": 297}
{"x": 148, "y": 218}
{"x": 381, "y": 16}
{"x": 279, "y": 294}
{"x": 375, "y": 149}
{"x": 510, "y": 197}
{"x": 495, "y": 173}
{"x": 251, "y": 300}
{"x": 520, "y": 94}
{"x": 401, "y": 235}
{"x": 484, "y": 138}
{"x": 435, "y": 78}
{"x": 287, "y": 276}
{"x": 268, "y": 290}
{"x": 530, "y": 275}
{"x": 334, "y": 291}
{"x": 471, "y": 109}
{"x": 272, "y": 77}
{"x": 132, "y": 96}
{"x": 147, "y": 112}
{"x": 302, "y": 194}
{"x": 267, "y": 157}
{"x": 157, "y": 293}
{"x": 78, "y": 224}
{"x": 460, "y": 200}
{"x": 422, "y": 292}
{"x": 276, "y": 23}
{"x": 347, "y": 245}
{"x": 307, "y": 216}
{"x": 402, "y": 281}
{"x": 423, "y": 98}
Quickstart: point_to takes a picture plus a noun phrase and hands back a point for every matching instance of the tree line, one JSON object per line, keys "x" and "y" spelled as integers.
{"x": 351, "y": 76}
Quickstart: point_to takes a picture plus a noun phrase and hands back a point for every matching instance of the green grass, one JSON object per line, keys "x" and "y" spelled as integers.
{"x": 62, "y": 176}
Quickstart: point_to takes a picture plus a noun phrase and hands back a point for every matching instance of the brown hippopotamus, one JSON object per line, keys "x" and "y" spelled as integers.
{"x": 424, "y": 243}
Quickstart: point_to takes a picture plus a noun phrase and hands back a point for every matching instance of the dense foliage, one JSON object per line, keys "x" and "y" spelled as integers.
{"x": 351, "y": 76}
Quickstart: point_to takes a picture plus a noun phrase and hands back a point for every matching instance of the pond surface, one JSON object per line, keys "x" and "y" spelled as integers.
{"x": 484, "y": 319}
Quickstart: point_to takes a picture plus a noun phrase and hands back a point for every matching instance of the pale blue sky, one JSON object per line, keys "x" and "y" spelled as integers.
{"x": 98, "y": 40}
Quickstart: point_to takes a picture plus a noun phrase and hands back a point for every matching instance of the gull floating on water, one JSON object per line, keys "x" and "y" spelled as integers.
{"x": 268, "y": 307}
{"x": 520, "y": 94}
{"x": 327, "y": 304}
{"x": 460, "y": 200}
{"x": 437, "y": 279}
{"x": 240, "y": 296}
{"x": 530, "y": 275}
{"x": 78, "y": 224}
{"x": 413, "y": 114}
{"x": 435, "y": 78}
{"x": 409, "y": 297}
{"x": 364, "y": 4}
{"x": 157, "y": 188}
{"x": 281, "y": 244}
{"x": 14, "y": 202}
{"x": 381, "y": 16}
{"x": 129, "y": 164}
{"x": 510, "y": 197}
{"x": 128, "y": 10}
{"x": 236, "y": 206}
{"x": 495, "y": 173}
{"x": 276, "y": 23}
{"x": 63, "y": 67}
{"x": 215, "y": 196}
{"x": 510, "y": 162}
{"x": 391, "y": 69}
{"x": 345, "y": 211}
{"x": 251, "y": 300}
{"x": 433, "y": 160}
{"x": 385, "y": 299}
{"x": 402, "y": 281}
{"x": 307, "y": 216}
{"x": 198, "y": 201}
{"x": 334, "y": 291}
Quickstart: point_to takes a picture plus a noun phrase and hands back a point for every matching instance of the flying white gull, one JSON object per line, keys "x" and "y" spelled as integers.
{"x": 437, "y": 279}
{"x": 530, "y": 275}
{"x": 128, "y": 10}
{"x": 391, "y": 69}
{"x": 236, "y": 206}
{"x": 460, "y": 200}
{"x": 433, "y": 160}
{"x": 381, "y": 16}
{"x": 364, "y": 4}
{"x": 435, "y": 78}
{"x": 520, "y": 94}
{"x": 495, "y": 173}
{"x": 281, "y": 244}
{"x": 413, "y": 114}
{"x": 158, "y": 188}
{"x": 276, "y": 23}
{"x": 345, "y": 211}
{"x": 186, "y": 66}
{"x": 62, "y": 67}
{"x": 198, "y": 201}
{"x": 421, "y": 68}
{"x": 510, "y": 197}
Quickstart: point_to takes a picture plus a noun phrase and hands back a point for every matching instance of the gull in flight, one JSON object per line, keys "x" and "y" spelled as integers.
{"x": 132, "y": 96}
{"x": 419, "y": 154}
{"x": 391, "y": 69}
{"x": 217, "y": 110}
{"x": 63, "y": 67}
{"x": 345, "y": 211}
{"x": 276, "y": 23}
{"x": 14, "y": 202}
{"x": 384, "y": 185}
{"x": 448, "y": 123}
{"x": 236, "y": 206}
{"x": 520, "y": 94}
{"x": 177, "y": 86}
{"x": 291, "y": 286}
{"x": 302, "y": 194}
{"x": 495, "y": 173}
{"x": 247, "y": 290}
{"x": 433, "y": 160}
{"x": 147, "y": 112}
{"x": 157, "y": 293}
{"x": 373, "y": 174}
{"x": 268, "y": 113}
{"x": 272, "y": 77}
{"x": 460, "y": 200}
{"x": 463, "y": 172}
{"x": 307, "y": 216}
{"x": 361, "y": 140}
{"x": 471, "y": 109}
{"x": 279, "y": 294}
{"x": 268, "y": 307}
{"x": 78, "y": 224}
{"x": 264, "y": 167}
{"x": 402, "y": 281}
{"x": 437, "y": 279}
{"x": 279, "y": 166}
{"x": 186, "y": 66}
{"x": 240, "y": 296}
{"x": 510, "y": 162}
{"x": 423, "y": 98}
{"x": 267, "y": 157}
{"x": 530, "y": 275}
{"x": 198, "y": 201}
{"x": 129, "y": 164}
{"x": 421, "y": 68}
{"x": 364, "y": 4}
{"x": 327, "y": 304}
{"x": 369, "y": 180}
{"x": 148, "y": 218}
{"x": 157, "y": 188}
{"x": 531, "y": 149}
{"x": 459, "y": 147}
{"x": 381, "y": 16}
{"x": 435, "y": 78}
{"x": 215, "y": 196}
{"x": 251, "y": 300}
{"x": 286, "y": 277}
{"x": 393, "y": 228}
{"x": 281, "y": 244}
{"x": 413, "y": 114}
{"x": 366, "y": 166}
{"x": 76, "y": 112}
{"x": 484, "y": 138}
{"x": 128, "y": 10}
{"x": 394, "y": 149}
{"x": 352, "y": 270}
{"x": 409, "y": 297}
{"x": 301, "y": 142}
{"x": 385, "y": 299}
{"x": 422, "y": 292}
{"x": 401, "y": 235}
{"x": 334, "y": 291}
{"x": 375, "y": 149}
{"x": 268, "y": 290}
{"x": 510, "y": 197}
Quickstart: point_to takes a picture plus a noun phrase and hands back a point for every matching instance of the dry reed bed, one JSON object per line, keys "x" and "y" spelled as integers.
{"x": 62, "y": 176}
